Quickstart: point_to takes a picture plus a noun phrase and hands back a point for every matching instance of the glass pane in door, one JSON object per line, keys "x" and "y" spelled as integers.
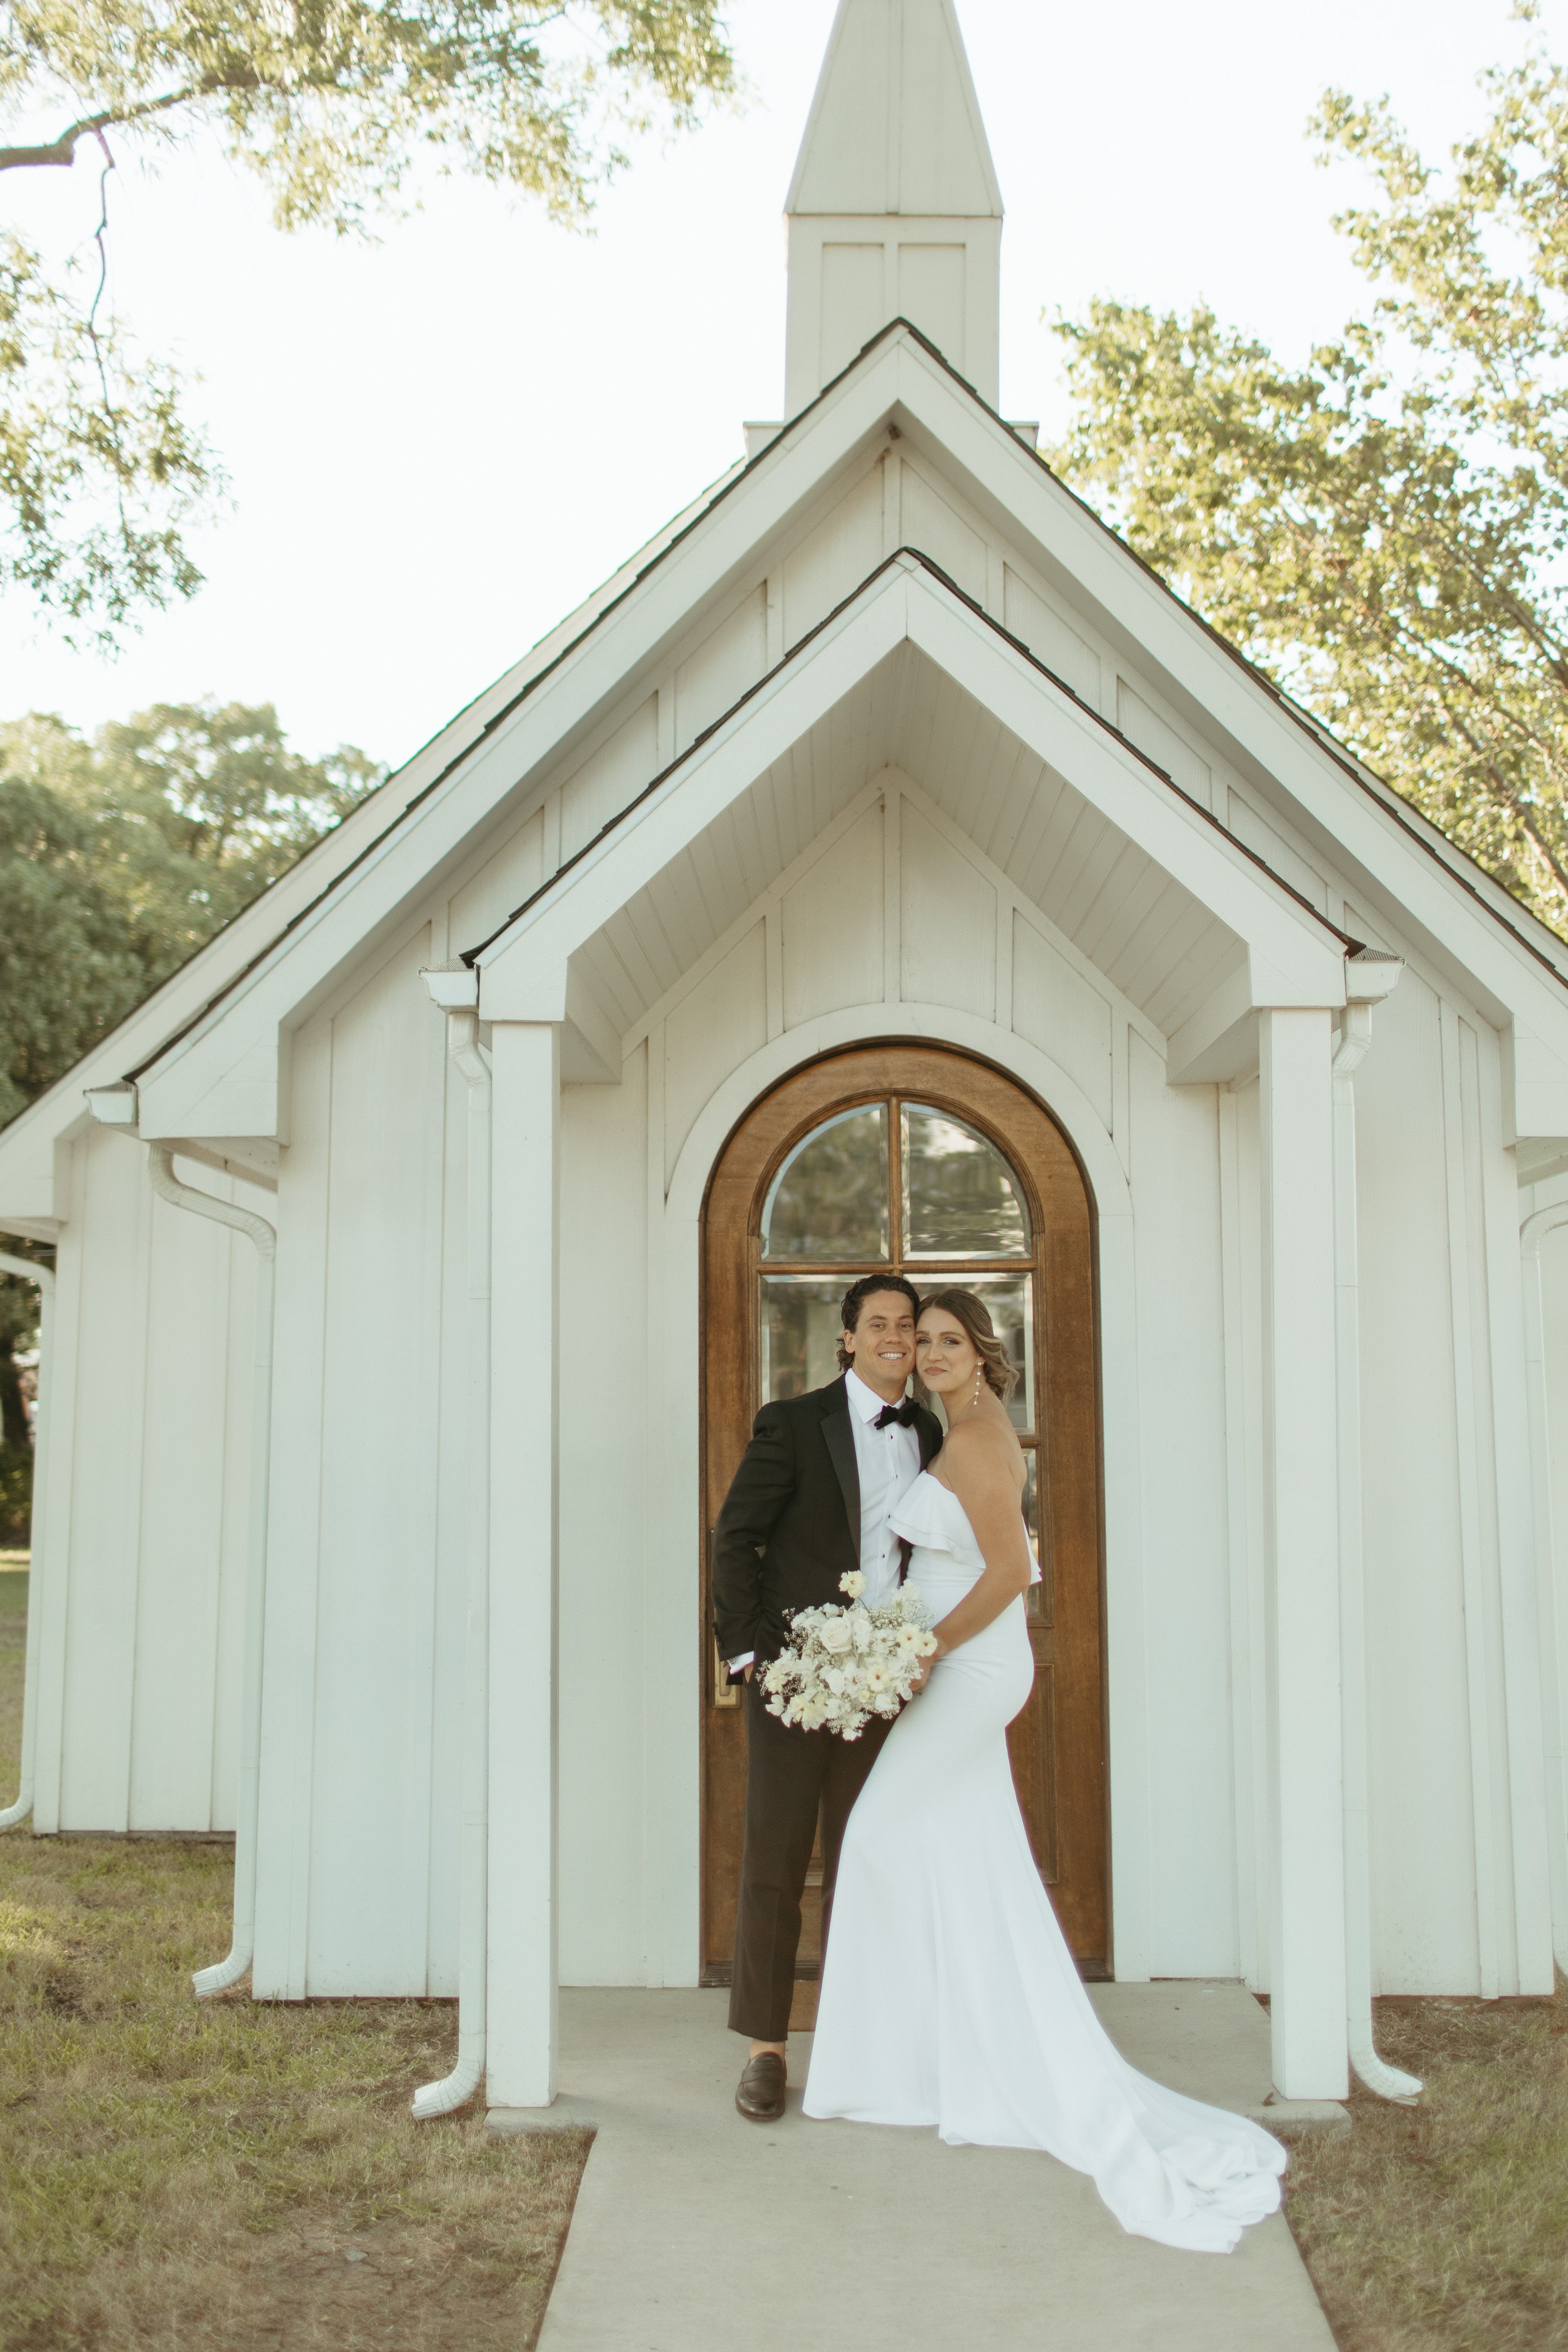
{"x": 830, "y": 1200}
{"x": 800, "y": 1330}
{"x": 1009, "y": 1299}
{"x": 961, "y": 1198}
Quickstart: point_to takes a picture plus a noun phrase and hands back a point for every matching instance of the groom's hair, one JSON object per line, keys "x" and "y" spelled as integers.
{"x": 856, "y": 1294}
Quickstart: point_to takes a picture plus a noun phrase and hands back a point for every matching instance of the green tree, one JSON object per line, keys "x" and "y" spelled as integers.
{"x": 118, "y": 857}
{"x": 334, "y": 106}
{"x": 1382, "y": 528}
{"x": 18, "y": 1336}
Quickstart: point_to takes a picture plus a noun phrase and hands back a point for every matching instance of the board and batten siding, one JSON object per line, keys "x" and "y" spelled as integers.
{"x": 889, "y": 910}
{"x": 937, "y": 897}
{"x": 347, "y": 1840}
{"x": 148, "y": 1475}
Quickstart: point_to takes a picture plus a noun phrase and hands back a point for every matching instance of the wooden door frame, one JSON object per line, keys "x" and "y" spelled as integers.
{"x": 1062, "y": 1207}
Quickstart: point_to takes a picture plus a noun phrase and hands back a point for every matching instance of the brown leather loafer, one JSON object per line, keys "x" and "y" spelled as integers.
{"x": 761, "y": 2091}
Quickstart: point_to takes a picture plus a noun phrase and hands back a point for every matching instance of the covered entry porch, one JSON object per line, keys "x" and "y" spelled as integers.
{"x": 769, "y": 900}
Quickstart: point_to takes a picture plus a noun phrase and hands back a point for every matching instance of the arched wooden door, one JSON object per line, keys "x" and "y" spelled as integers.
{"x": 923, "y": 1161}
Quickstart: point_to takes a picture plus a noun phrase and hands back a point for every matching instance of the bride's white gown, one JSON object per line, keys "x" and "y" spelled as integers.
{"x": 949, "y": 1996}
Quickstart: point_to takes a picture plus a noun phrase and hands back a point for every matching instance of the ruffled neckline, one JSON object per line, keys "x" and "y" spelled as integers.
{"x": 931, "y": 1516}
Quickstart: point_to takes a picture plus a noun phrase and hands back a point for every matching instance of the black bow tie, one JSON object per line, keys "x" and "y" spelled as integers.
{"x": 904, "y": 1415}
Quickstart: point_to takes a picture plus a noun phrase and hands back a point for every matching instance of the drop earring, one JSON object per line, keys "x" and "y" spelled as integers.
{"x": 974, "y": 1400}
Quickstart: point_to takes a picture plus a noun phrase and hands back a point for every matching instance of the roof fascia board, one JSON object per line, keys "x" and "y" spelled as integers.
{"x": 1142, "y": 616}
{"x": 1295, "y": 957}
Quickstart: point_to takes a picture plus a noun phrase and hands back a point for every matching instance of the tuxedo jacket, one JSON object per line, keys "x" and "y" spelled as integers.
{"x": 790, "y": 1526}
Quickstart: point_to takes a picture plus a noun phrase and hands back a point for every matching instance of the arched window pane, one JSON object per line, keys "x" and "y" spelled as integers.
{"x": 961, "y": 1198}
{"x": 830, "y": 1200}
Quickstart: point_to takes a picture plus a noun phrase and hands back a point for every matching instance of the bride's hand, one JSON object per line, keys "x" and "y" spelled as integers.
{"x": 924, "y": 1675}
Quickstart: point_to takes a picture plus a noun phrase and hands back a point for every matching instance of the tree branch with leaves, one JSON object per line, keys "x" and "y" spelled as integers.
{"x": 336, "y": 105}
{"x": 1382, "y": 528}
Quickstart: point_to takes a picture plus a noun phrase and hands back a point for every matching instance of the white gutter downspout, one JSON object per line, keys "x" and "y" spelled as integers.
{"x": 25, "y": 1270}
{"x": 1532, "y": 1232}
{"x": 456, "y": 991}
{"x": 1368, "y": 976}
{"x": 168, "y": 1187}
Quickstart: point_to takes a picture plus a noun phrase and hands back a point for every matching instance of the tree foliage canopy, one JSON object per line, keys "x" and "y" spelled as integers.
{"x": 1384, "y": 528}
{"x": 334, "y": 104}
{"x": 120, "y": 856}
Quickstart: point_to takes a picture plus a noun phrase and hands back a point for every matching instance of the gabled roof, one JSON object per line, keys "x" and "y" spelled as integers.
{"x": 532, "y": 716}
{"x": 1189, "y": 927}
{"x": 903, "y": 558}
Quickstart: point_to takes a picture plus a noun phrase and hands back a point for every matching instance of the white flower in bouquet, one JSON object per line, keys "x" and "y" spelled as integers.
{"x": 844, "y": 1666}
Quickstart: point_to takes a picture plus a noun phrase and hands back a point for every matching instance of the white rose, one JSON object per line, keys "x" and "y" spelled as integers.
{"x": 835, "y": 1636}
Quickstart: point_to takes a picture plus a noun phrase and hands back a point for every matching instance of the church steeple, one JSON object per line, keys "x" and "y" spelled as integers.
{"x": 894, "y": 209}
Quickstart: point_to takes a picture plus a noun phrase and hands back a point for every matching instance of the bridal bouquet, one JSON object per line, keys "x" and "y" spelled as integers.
{"x": 845, "y": 1666}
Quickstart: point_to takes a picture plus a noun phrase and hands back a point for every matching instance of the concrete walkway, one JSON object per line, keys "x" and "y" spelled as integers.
{"x": 696, "y": 2229}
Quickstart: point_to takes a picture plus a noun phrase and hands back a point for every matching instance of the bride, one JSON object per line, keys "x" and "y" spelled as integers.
{"x": 949, "y": 1996}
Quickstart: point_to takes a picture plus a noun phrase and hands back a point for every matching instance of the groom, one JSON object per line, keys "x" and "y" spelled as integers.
{"x": 809, "y": 1502}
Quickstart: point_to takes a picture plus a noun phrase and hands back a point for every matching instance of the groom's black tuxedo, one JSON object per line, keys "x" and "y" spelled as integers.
{"x": 789, "y": 1529}
{"x": 790, "y": 1526}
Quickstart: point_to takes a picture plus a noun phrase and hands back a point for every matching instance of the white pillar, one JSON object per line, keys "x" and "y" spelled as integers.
{"x": 1388, "y": 2081}
{"x": 1307, "y": 1975}
{"x": 522, "y": 1941}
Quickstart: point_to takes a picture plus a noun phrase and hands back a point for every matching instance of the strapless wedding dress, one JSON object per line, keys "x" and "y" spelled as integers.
{"x": 949, "y": 1996}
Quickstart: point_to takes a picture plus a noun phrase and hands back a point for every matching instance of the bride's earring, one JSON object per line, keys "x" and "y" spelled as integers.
{"x": 975, "y": 1398}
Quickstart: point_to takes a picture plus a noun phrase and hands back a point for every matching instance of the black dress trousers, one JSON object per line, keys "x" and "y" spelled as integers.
{"x": 792, "y": 1777}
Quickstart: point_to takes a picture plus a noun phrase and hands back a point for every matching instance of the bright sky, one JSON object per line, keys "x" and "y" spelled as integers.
{"x": 437, "y": 446}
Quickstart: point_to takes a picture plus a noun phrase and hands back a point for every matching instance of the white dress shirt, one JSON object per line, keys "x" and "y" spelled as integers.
{"x": 888, "y": 1462}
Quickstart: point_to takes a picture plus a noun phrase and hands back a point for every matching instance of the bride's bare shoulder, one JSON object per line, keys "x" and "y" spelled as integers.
{"x": 982, "y": 1450}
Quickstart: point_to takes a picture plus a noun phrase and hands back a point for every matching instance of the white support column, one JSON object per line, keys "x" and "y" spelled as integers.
{"x": 1307, "y": 1975}
{"x": 525, "y": 1234}
{"x": 1355, "y": 1040}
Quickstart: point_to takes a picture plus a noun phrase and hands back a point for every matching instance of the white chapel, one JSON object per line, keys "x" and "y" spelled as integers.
{"x": 884, "y": 868}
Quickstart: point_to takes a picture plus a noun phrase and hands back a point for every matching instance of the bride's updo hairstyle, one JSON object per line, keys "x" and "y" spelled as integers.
{"x": 1001, "y": 1377}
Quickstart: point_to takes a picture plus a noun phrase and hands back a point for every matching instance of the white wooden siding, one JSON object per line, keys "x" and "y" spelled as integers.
{"x": 151, "y": 1399}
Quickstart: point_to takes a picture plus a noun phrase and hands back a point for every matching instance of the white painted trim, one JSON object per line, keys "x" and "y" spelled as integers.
{"x": 1307, "y": 1960}
{"x": 286, "y": 1820}
{"x": 1519, "y": 1629}
{"x": 522, "y": 1906}
{"x": 1551, "y": 1623}
{"x": 454, "y": 2089}
{"x": 1387, "y": 2082}
{"x": 674, "y": 1516}
{"x": 221, "y": 1974}
{"x": 1468, "y": 1469}
{"x": 1294, "y": 957}
{"x": 60, "y": 1472}
{"x": 1248, "y": 1737}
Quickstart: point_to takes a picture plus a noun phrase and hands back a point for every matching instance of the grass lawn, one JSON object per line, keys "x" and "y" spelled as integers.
{"x": 219, "y": 2177}
{"x": 1443, "y": 2227}
{"x": 177, "y": 2176}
